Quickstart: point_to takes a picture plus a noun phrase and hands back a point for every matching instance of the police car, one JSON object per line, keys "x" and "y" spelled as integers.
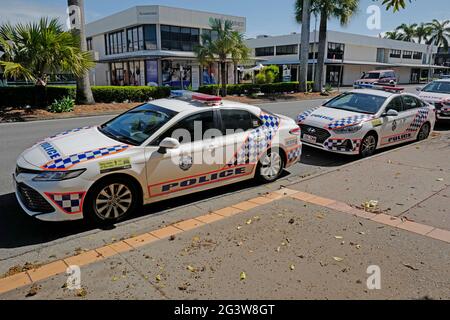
{"x": 159, "y": 150}
{"x": 360, "y": 121}
{"x": 438, "y": 94}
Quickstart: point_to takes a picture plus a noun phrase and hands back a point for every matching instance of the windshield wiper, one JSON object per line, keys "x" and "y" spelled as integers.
{"x": 122, "y": 139}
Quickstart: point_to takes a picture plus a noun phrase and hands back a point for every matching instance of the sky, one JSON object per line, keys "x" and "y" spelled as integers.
{"x": 271, "y": 17}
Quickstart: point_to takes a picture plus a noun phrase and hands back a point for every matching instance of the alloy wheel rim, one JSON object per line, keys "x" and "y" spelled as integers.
{"x": 424, "y": 132}
{"x": 113, "y": 201}
{"x": 369, "y": 144}
{"x": 271, "y": 165}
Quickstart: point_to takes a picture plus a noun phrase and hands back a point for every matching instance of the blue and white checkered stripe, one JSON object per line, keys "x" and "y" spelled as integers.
{"x": 336, "y": 145}
{"x": 67, "y": 162}
{"x": 419, "y": 119}
{"x": 71, "y": 202}
{"x": 257, "y": 141}
{"x": 68, "y": 132}
{"x": 302, "y": 117}
{"x": 294, "y": 154}
{"x": 349, "y": 121}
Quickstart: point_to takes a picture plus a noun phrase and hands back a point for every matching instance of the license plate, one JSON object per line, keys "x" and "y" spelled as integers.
{"x": 309, "y": 138}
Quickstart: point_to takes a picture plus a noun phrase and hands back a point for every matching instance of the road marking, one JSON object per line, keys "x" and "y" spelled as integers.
{"x": 86, "y": 258}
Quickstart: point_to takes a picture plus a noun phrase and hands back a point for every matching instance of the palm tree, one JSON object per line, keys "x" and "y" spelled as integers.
{"x": 408, "y": 32}
{"x": 396, "y": 5}
{"x": 84, "y": 91}
{"x": 228, "y": 45}
{"x": 393, "y": 35}
{"x": 303, "y": 16}
{"x": 32, "y": 51}
{"x": 440, "y": 33}
{"x": 423, "y": 32}
{"x": 327, "y": 9}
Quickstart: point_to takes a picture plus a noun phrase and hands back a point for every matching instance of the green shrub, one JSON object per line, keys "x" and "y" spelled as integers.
{"x": 26, "y": 95}
{"x": 66, "y": 104}
{"x": 249, "y": 89}
{"x": 133, "y": 94}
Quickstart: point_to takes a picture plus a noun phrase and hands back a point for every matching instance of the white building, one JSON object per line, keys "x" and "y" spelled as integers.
{"x": 153, "y": 44}
{"x": 347, "y": 56}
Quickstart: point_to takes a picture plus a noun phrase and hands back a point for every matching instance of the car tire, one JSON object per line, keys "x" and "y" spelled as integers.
{"x": 111, "y": 200}
{"x": 368, "y": 145}
{"x": 270, "y": 166}
{"x": 424, "y": 132}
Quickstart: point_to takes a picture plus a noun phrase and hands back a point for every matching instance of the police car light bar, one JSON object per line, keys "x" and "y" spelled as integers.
{"x": 195, "y": 96}
{"x": 378, "y": 87}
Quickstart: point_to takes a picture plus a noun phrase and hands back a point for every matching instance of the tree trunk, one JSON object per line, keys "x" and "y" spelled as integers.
{"x": 84, "y": 91}
{"x": 223, "y": 72}
{"x": 318, "y": 79}
{"x": 304, "y": 48}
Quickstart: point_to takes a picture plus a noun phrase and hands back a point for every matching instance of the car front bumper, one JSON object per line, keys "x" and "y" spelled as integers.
{"x": 338, "y": 145}
{"x": 49, "y": 201}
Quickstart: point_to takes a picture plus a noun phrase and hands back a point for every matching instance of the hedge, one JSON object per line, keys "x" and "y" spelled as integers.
{"x": 25, "y": 95}
{"x": 238, "y": 89}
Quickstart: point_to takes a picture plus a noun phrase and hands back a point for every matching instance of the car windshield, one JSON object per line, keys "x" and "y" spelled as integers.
{"x": 137, "y": 125}
{"x": 357, "y": 102}
{"x": 372, "y": 75}
{"x": 438, "y": 87}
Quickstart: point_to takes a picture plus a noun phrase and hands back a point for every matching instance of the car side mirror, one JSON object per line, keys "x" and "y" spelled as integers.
{"x": 168, "y": 144}
{"x": 391, "y": 113}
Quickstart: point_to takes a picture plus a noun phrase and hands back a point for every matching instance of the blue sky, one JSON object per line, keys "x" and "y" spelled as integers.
{"x": 271, "y": 17}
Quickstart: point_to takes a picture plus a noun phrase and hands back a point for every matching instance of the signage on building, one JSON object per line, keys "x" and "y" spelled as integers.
{"x": 287, "y": 76}
{"x": 151, "y": 72}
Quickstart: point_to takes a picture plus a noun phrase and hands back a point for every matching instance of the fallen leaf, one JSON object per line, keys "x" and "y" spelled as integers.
{"x": 339, "y": 237}
{"x": 292, "y": 221}
{"x": 158, "y": 278}
{"x": 338, "y": 259}
{"x": 292, "y": 267}
{"x": 440, "y": 179}
{"x": 33, "y": 290}
{"x": 410, "y": 267}
{"x": 115, "y": 278}
{"x": 190, "y": 268}
{"x": 243, "y": 276}
{"x": 81, "y": 293}
{"x": 249, "y": 222}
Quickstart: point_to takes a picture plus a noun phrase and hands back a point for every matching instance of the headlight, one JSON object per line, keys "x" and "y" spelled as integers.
{"x": 349, "y": 129}
{"x": 58, "y": 175}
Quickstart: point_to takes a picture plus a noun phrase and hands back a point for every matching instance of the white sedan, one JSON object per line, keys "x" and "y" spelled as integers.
{"x": 159, "y": 150}
{"x": 362, "y": 121}
{"x": 438, "y": 94}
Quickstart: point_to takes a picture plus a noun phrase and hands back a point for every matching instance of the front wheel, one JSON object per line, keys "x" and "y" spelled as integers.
{"x": 368, "y": 146}
{"x": 111, "y": 201}
{"x": 424, "y": 132}
{"x": 270, "y": 166}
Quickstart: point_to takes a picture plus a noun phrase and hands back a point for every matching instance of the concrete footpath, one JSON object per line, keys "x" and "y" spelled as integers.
{"x": 374, "y": 229}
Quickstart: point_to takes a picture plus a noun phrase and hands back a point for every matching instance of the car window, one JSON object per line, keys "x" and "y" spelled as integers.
{"x": 190, "y": 129}
{"x": 396, "y": 104}
{"x": 410, "y": 102}
{"x": 438, "y": 87}
{"x": 238, "y": 120}
{"x": 357, "y": 102}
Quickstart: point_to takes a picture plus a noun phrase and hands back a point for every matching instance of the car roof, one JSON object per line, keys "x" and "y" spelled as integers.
{"x": 442, "y": 80}
{"x": 377, "y": 71}
{"x": 374, "y": 92}
{"x": 182, "y": 105}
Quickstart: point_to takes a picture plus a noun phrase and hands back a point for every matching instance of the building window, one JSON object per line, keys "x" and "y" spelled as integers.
{"x": 407, "y": 54}
{"x": 396, "y": 53}
{"x": 213, "y": 35}
{"x": 382, "y": 55}
{"x": 129, "y": 73}
{"x": 313, "y": 52}
{"x": 336, "y": 51}
{"x": 265, "y": 51}
{"x": 135, "y": 39}
{"x": 286, "y": 50}
{"x": 89, "y": 44}
{"x": 417, "y": 55}
{"x": 115, "y": 42}
{"x": 150, "y": 37}
{"x": 179, "y": 38}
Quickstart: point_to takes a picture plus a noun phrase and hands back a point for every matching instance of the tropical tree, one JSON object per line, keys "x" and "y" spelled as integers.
{"x": 440, "y": 33}
{"x": 226, "y": 45}
{"x": 396, "y": 5}
{"x": 408, "y": 32}
{"x": 34, "y": 50}
{"x": 84, "y": 91}
{"x": 342, "y": 10}
{"x": 423, "y": 32}
{"x": 393, "y": 35}
{"x": 303, "y": 16}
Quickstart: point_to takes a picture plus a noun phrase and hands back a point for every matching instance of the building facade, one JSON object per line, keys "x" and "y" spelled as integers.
{"x": 153, "y": 45}
{"x": 347, "y": 56}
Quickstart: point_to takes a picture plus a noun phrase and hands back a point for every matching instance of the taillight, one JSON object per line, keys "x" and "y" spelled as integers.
{"x": 296, "y": 131}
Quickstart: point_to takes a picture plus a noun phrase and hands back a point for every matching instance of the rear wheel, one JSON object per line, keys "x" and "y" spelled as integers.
{"x": 111, "y": 201}
{"x": 270, "y": 166}
{"x": 424, "y": 132}
{"x": 368, "y": 146}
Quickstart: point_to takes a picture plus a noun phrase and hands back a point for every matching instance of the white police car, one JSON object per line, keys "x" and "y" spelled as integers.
{"x": 438, "y": 94}
{"x": 361, "y": 121}
{"x": 159, "y": 150}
